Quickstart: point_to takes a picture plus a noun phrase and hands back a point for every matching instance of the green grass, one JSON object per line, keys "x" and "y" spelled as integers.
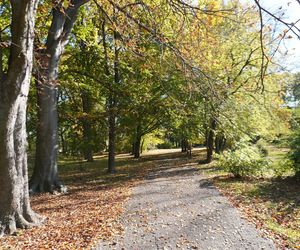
{"x": 75, "y": 171}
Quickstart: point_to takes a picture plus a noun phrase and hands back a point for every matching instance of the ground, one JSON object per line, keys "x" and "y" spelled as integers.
{"x": 165, "y": 197}
{"x": 177, "y": 208}
{"x": 269, "y": 202}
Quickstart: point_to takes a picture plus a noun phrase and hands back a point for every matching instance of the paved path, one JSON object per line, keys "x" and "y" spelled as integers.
{"x": 176, "y": 208}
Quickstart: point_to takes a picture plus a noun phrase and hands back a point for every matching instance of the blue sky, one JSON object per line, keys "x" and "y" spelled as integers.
{"x": 292, "y": 14}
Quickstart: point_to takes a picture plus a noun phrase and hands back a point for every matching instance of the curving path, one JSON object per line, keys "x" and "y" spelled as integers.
{"x": 176, "y": 208}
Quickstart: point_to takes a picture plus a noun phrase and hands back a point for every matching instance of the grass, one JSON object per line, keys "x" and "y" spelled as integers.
{"x": 272, "y": 203}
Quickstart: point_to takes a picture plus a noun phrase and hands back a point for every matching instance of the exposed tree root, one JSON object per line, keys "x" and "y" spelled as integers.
{"x": 11, "y": 223}
{"x": 44, "y": 187}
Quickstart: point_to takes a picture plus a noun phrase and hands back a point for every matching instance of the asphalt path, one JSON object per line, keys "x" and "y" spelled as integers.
{"x": 177, "y": 208}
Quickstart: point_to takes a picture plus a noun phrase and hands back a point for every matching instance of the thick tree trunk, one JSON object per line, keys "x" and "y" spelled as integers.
{"x": 15, "y": 210}
{"x": 45, "y": 174}
{"x": 210, "y": 141}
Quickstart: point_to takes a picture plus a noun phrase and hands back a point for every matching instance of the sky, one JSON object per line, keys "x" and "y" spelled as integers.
{"x": 292, "y": 14}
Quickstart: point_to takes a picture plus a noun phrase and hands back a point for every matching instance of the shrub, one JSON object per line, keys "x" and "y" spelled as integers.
{"x": 246, "y": 160}
{"x": 282, "y": 167}
{"x": 165, "y": 145}
{"x": 294, "y": 154}
{"x": 262, "y": 148}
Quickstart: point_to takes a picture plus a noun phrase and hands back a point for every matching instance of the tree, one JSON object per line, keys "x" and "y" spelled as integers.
{"x": 45, "y": 174}
{"x": 15, "y": 210}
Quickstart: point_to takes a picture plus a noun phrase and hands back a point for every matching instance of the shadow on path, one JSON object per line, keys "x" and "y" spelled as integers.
{"x": 178, "y": 208}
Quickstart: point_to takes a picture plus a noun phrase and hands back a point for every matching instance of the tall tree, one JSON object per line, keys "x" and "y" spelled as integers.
{"x": 45, "y": 174}
{"x": 15, "y": 210}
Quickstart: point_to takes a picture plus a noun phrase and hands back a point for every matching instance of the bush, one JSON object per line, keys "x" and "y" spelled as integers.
{"x": 294, "y": 154}
{"x": 165, "y": 145}
{"x": 246, "y": 160}
{"x": 282, "y": 167}
{"x": 262, "y": 148}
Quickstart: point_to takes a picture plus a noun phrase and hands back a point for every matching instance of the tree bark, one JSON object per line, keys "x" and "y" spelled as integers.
{"x": 210, "y": 141}
{"x": 87, "y": 127}
{"x": 189, "y": 149}
{"x": 132, "y": 147}
{"x": 137, "y": 142}
{"x": 15, "y": 210}
{"x": 183, "y": 145}
{"x": 111, "y": 140}
{"x": 111, "y": 103}
{"x": 137, "y": 147}
{"x": 142, "y": 146}
{"x": 45, "y": 174}
{"x": 219, "y": 143}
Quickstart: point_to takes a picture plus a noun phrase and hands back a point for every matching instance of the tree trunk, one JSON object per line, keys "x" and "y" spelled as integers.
{"x": 219, "y": 143}
{"x": 111, "y": 139}
{"x": 218, "y": 140}
{"x": 132, "y": 148}
{"x": 87, "y": 127}
{"x": 45, "y": 174}
{"x": 206, "y": 136}
{"x": 189, "y": 149}
{"x": 137, "y": 142}
{"x": 15, "y": 210}
{"x": 210, "y": 141}
{"x": 183, "y": 145}
{"x": 112, "y": 102}
{"x": 142, "y": 145}
{"x": 137, "y": 146}
{"x": 63, "y": 142}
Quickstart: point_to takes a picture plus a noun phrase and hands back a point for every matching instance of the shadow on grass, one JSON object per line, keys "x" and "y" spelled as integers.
{"x": 82, "y": 174}
{"x": 84, "y": 179}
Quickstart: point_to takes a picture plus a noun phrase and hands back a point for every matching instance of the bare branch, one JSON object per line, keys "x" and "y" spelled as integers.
{"x": 292, "y": 26}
